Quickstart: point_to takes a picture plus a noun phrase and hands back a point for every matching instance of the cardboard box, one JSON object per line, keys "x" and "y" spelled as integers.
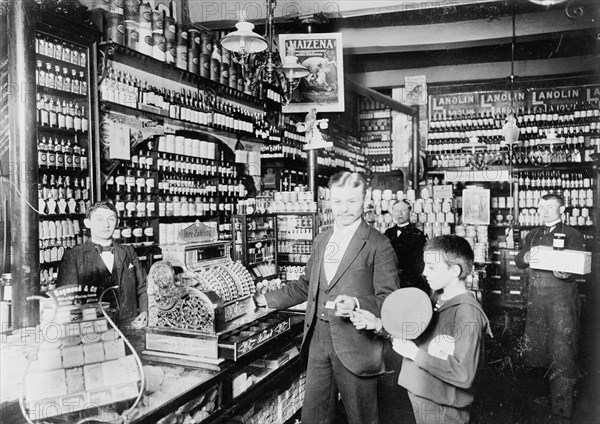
{"x": 572, "y": 261}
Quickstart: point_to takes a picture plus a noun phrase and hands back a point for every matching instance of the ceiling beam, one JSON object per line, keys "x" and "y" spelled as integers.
{"x": 479, "y": 71}
{"x": 378, "y": 97}
{"x": 479, "y": 32}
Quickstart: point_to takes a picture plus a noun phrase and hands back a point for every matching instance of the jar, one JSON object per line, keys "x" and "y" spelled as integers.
{"x": 559, "y": 241}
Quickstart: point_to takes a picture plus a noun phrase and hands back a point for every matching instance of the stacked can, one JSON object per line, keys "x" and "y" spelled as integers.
{"x": 131, "y": 13}
{"x": 158, "y": 36}
{"x": 114, "y": 26}
{"x": 193, "y": 61}
{"x": 145, "y": 42}
{"x": 225, "y": 66}
{"x": 233, "y": 73}
{"x": 181, "y": 60}
{"x": 205, "y": 54}
{"x": 170, "y": 31}
{"x": 215, "y": 61}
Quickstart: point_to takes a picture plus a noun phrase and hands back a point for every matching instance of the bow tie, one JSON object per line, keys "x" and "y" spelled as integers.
{"x": 100, "y": 248}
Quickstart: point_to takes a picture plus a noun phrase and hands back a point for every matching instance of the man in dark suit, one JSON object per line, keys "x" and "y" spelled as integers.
{"x": 408, "y": 241}
{"x": 351, "y": 265}
{"x": 102, "y": 263}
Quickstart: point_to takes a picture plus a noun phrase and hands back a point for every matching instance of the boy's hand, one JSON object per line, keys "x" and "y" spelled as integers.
{"x": 365, "y": 320}
{"x": 561, "y": 275}
{"x": 406, "y": 348}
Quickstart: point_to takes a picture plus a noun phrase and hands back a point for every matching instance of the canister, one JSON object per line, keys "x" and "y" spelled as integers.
{"x": 114, "y": 27}
{"x": 145, "y": 42}
{"x": 132, "y": 35}
{"x": 170, "y": 29}
{"x": 158, "y": 21}
{"x": 131, "y": 10}
{"x": 158, "y": 46}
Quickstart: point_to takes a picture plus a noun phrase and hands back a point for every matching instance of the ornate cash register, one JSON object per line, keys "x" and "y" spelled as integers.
{"x": 200, "y": 307}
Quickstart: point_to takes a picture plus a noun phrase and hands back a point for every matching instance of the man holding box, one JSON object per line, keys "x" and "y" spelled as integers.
{"x": 552, "y": 325}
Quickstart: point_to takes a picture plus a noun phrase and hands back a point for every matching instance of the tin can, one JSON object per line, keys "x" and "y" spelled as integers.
{"x": 132, "y": 35}
{"x": 193, "y": 61}
{"x": 114, "y": 28}
{"x": 194, "y": 39}
{"x": 131, "y": 10}
{"x": 204, "y": 65}
{"x": 146, "y": 41}
{"x": 181, "y": 61}
{"x": 159, "y": 46}
{"x": 116, "y": 6}
{"x": 145, "y": 17}
{"x": 206, "y": 43}
{"x": 233, "y": 75}
{"x": 170, "y": 52}
{"x": 170, "y": 29}
{"x": 158, "y": 24}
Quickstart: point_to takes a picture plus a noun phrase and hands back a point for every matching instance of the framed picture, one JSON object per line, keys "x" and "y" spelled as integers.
{"x": 476, "y": 206}
{"x": 323, "y": 88}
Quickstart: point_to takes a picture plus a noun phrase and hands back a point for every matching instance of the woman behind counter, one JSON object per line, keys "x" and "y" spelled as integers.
{"x": 103, "y": 263}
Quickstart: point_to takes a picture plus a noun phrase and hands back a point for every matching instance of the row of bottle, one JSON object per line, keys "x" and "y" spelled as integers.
{"x": 378, "y": 148}
{"x": 58, "y": 234}
{"x": 298, "y": 246}
{"x": 137, "y": 232}
{"x": 290, "y": 149}
{"x": 575, "y": 217}
{"x": 61, "y": 79}
{"x": 60, "y": 50}
{"x": 194, "y": 206}
{"x": 130, "y": 181}
{"x": 51, "y": 112}
{"x": 181, "y": 164}
{"x": 542, "y": 116}
{"x": 63, "y": 187}
{"x": 537, "y": 155}
{"x": 134, "y": 206}
{"x": 369, "y": 125}
{"x": 191, "y": 187}
{"x": 379, "y": 136}
{"x": 572, "y": 197}
{"x": 553, "y": 180}
{"x": 365, "y": 104}
{"x": 196, "y": 106}
{"x": 380, "y": 164}
{"x": 63, "y": 154}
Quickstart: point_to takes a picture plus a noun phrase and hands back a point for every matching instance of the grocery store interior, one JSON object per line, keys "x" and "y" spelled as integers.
{"x": 213, "y": 129}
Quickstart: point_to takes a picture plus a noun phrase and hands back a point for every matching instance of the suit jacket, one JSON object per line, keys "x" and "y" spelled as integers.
{"x": 409, "y": 253}
{"x": 368, "y": 271}
{"x": 83, "y": 264}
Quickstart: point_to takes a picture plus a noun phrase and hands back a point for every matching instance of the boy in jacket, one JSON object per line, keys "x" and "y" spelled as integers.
{"x": 439, "y": 367}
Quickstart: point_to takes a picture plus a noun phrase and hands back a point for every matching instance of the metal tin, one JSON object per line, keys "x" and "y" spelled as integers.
{"x": 132, "y": 35}
{"x": 146, "y": 42}
{"x": 158, "y": 23}
{"x": 131, "y": 11}
{"x": 170, "y": 29}
{"x": 159, "y": 46}
{"x": 114, "y": 28}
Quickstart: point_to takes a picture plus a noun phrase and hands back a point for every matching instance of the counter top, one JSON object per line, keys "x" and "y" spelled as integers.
{"x": 168, "y": 387}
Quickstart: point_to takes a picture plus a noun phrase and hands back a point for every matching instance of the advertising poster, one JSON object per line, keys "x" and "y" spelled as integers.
{"x": 323, "y": 88}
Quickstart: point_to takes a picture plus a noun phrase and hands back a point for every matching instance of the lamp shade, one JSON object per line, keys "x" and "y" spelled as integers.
{"x": 292, "y": 69}
{"x": 244, "y": 40}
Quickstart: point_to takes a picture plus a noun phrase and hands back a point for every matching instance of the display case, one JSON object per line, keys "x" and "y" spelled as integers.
{"x": 255, "y": 244}
{"x": 295, "y": 234}
{"x": 64, "y": 98}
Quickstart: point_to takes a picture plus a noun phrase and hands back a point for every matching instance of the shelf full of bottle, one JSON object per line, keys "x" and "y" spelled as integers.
{"x": 159, "y": 185}
{"x": 198, "y": 106}
{"x": 291, "y": 145}
{"x": 576, "y": 188}
{"x": 295, "y": 235}
{"x": 254, "y": 238}
{"x": 577, "y": 127}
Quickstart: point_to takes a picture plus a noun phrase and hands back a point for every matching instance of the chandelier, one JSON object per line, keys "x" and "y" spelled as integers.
{"x": 246, "y": 45}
